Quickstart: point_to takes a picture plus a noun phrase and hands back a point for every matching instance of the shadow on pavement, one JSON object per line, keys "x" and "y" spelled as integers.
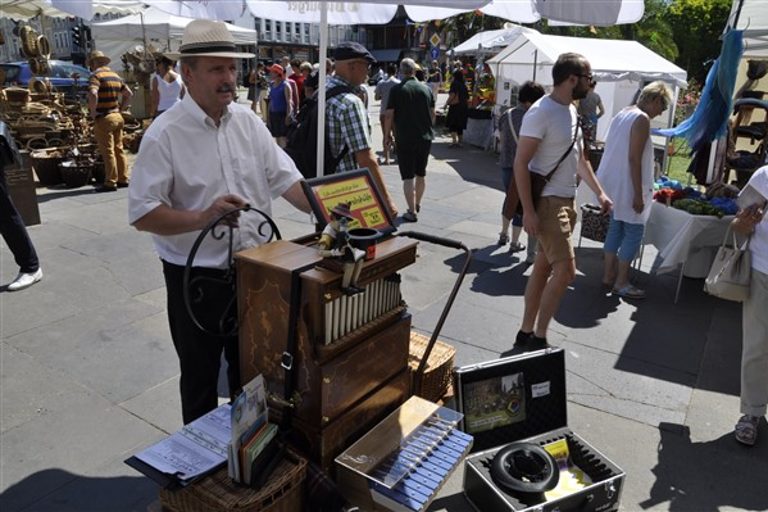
{"x": 452, "y": 503}
{"x": 55, "y": 193}
{"x": 707, "y": 476}
{"x": 465, "y": 161}
{"x": 77, "y": 493}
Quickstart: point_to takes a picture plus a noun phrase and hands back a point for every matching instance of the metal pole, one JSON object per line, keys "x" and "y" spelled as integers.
{"x": 321, "y": 88}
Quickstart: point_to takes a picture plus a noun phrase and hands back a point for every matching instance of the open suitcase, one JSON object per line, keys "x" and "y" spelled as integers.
{"x": 522, "y": 398}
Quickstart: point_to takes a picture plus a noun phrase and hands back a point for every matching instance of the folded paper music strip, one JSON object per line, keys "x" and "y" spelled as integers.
{"x": 416, "y": 490}
{"x": 402, "y": 463}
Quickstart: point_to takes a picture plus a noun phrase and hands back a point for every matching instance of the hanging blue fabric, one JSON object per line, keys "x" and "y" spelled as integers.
{"x": 710, "y": 119}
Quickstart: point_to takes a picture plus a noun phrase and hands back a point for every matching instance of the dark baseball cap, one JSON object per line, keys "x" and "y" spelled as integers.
{"x": 349, "y": 50}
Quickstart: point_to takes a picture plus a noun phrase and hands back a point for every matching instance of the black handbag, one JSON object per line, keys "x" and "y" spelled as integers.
{"x": 539, "y": 181}
{"x": 512, "y": 203}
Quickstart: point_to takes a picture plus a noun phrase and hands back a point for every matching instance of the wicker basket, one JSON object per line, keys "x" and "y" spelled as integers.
{"x": 438, "y": 371}
{"x": 46, "y": 163}
{"x": 17, "y": 94}
{"x": 75, "y": 173}
{"x": 284, "y": 492}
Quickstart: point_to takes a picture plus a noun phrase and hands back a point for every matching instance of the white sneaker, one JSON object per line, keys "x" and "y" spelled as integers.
{"x": 25, "y": 280}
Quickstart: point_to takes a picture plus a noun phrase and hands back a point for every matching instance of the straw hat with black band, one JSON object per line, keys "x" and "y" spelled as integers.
{"x": 206, "y": 38}
{"x": 98, "y": 59}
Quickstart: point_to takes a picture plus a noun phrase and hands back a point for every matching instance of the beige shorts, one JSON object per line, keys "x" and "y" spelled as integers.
{"x": 557, "y": 219}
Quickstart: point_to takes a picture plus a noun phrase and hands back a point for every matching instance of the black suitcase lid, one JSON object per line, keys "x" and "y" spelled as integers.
{"x": 512, "y": 398}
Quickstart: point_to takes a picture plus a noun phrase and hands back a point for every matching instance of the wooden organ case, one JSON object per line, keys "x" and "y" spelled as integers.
{"x": 351, "y": 360}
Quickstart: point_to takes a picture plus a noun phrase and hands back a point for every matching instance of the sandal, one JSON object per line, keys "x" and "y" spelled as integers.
{"x": 516, "y": 247}
{"x": 629, "y": 292}
{"x": 746, "y": 430}
{"x": 503, "y": 239}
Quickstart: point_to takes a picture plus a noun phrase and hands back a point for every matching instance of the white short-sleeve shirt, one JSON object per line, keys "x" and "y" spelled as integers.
{"x": 554, "y": 125}
{"x": 758, "y": 245}
{"x": 186, "y": 162}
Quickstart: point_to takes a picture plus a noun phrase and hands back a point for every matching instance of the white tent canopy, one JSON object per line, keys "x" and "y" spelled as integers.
{"x": 620, "y": 68}
{"x": 157, "y": 25}
{"x": 751, "y": 16}
{"x": 162, "y": 30}
{"x": 490, "y": 41}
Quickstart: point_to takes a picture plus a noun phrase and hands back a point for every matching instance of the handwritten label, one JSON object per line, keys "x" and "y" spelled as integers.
{"x": 540, "y": 389}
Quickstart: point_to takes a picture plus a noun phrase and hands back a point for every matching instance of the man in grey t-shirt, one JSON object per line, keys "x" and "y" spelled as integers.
{"x": 509, "y": 130}
{"x": 382, "y": 93}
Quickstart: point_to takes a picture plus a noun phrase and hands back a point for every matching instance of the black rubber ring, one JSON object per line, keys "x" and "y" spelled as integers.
{"x": 527, "y": 461}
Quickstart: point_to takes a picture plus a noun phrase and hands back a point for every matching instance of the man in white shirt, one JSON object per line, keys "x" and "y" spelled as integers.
{"x": 203, "y": 157}
{"x": 550, "y": 139}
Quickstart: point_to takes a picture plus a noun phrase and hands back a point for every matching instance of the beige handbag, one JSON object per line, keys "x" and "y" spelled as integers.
{"x": 729, "y": 275}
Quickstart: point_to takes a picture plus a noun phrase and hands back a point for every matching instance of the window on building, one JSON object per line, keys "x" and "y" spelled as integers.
{"x": 268, "y": 30}
{"x": 278, "y": 31}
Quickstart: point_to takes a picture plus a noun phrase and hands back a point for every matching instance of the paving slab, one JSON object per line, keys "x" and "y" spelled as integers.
{"x": 32, "y": 392}
{"x": 93, "y": 347}
{"x": 64, "y": 443}
{"x": 159, "y": 405}
{"x": 112, "y": 486}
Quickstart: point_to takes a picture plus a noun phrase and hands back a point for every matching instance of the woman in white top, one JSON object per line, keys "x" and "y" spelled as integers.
{"x": 166, "y": 88}
{"x": 752, "y": 220}
{"x": 626, "y": 173}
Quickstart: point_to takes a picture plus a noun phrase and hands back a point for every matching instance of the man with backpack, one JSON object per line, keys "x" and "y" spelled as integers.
{"x": 346, "y": 118}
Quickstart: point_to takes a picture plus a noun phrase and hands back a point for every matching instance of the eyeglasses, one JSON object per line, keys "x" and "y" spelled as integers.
{"x": 588, "y": 77}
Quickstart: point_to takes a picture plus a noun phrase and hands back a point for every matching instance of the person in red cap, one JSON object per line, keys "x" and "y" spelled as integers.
{"x": 280, "y": 104}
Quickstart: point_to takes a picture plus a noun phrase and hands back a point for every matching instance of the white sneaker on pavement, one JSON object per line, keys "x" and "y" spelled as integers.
{"x": 25, "y": 280}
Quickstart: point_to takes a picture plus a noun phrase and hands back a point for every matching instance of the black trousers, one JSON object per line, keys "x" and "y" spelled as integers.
{"x": 15, "y": 232}
{"x": 200, "y": 353}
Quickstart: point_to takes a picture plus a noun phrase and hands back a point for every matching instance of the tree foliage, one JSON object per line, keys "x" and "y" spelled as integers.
{"x": 687, "y": 32}
{"x": 697, "y": 26}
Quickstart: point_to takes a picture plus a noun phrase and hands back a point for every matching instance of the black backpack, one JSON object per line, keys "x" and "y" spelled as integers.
{"x": 302, "y": 137}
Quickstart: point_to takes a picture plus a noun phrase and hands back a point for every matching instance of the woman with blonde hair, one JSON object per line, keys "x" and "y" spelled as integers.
{"x": 626, "y": 173}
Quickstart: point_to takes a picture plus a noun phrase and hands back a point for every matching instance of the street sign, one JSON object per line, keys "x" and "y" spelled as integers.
{"x": 435, "y": 39}
{"x": 434, "y": 53}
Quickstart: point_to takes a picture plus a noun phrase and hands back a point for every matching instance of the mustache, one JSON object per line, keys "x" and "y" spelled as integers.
{"x": 226, "y": 88}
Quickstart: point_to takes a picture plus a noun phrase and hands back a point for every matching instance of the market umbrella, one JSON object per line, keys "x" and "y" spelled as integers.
{"x": 22, "y": 10}
{"x": 324, "y": 13}
{"x": 596, "y": 12}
